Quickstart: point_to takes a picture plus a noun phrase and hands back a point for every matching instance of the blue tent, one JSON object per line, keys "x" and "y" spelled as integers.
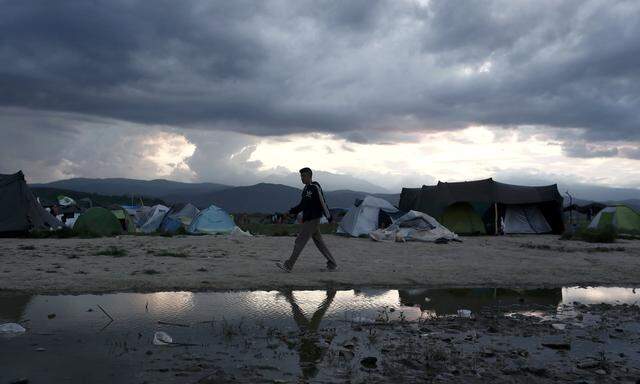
{"x": 211, "y": 220}
{"x": 170, "y": 224}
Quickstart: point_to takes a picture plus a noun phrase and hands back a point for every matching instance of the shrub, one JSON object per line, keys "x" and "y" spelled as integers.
{"x": 607, "y": 234}
{"x": 166, "y": 253}
{"x": 112, "y": 251}
{"x": 62, "y": 233}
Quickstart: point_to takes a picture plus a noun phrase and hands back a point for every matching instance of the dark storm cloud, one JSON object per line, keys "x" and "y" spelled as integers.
{"x": 359, "y": 69}
{"x": 582, "y": 150}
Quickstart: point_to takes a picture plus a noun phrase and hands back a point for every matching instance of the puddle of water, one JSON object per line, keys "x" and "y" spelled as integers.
{"x": 279, "y": 335}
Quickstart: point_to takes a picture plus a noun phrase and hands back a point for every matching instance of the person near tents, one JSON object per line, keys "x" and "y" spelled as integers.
{"x": 313, "y": 207}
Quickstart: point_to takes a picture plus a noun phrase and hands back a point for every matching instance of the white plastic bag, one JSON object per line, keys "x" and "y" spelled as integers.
{"x": 162, "y": 338}
{"x": 464, "y": 313}
{"x": 11, "y": 328}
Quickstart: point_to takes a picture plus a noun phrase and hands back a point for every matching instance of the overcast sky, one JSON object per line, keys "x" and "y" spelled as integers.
{"x": 399, "y": 92}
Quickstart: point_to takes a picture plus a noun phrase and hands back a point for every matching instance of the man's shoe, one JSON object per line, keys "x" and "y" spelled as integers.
{"x": 283, "y": 266}
{"x": 331, "y": 267}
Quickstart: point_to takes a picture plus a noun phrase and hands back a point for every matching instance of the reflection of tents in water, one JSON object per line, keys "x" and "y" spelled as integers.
{"x": 310, "y": 352}
{"x": 12, "y": 308}
{"x": 448, "y": 301}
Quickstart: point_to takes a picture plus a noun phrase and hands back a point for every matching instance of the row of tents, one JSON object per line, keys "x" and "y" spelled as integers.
{"x": 21, "y": 212}
{"x": 159, "y": 218}
{"x": 473, "y": 208}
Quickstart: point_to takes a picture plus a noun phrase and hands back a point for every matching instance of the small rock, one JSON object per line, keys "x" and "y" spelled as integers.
{"x": 559, "y": 327}
{"x": 348, "y": 345}
{"x": 558, "y": 346}
{"x": 148, "y": 353}
{"x": 600, "y": 372}
{"x": 538, "y": 371}
{"x": 22, "y": 380}
{"x": 51, "y": 316}
{"x": 587, "y": 364}
{"x": 487, "y": 352}
{"x": 40, "y": 349}
{"x": 370, "y": 362}
{"x": 346, "y": 354}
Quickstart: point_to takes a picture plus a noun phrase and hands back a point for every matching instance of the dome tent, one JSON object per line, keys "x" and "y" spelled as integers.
{"x": 211, "y": 221}
{"x": 154, "y": 218}
{"x": 186, "y": 214}
{"x": 364, "y": 217}
{"x": 97, "y": 221}
{"x": 624, "y": 219}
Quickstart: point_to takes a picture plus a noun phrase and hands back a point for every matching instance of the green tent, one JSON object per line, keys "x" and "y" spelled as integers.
{"x": 97, "y": 222}
{"x": 461, "y": 218}
{"x": 126, "y": 222}
{"x": 621, "y": 217}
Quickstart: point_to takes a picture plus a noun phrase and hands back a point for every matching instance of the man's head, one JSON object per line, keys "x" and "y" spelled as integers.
{"x": 306, "y": 175}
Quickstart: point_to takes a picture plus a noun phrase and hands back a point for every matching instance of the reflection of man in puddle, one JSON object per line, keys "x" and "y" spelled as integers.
{"x": 309, "y": 349}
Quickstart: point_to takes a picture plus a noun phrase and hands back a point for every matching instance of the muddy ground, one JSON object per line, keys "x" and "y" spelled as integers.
{"x": 154, "y": 263}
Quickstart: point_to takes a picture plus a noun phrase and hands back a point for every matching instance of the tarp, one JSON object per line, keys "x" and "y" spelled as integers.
{"x": 20, "y": 212}
{"x": 623, "y": 218}
{"x": 363, "y": 218}
{"x": 433, "y": 200}
{"x": 97, "y": 221}
{"x": 525, "y": 219}
{"x": 154, "y": 218}
{"x": 210, "y": 221}
{"x": 65, "y": 200}
{"x": 416, "y": 226}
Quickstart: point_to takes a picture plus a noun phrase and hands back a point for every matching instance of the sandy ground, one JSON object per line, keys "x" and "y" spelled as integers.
{"x": 224, "y": 263}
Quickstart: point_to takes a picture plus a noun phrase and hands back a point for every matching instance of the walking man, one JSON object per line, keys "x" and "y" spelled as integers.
{"x": 313, "y": 207}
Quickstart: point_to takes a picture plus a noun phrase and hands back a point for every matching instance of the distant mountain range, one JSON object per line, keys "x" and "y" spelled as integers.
{"x": 259, "y": 198}
{"x": 119, "y": 187}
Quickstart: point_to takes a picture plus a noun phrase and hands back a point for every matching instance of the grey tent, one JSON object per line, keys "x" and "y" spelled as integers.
{"x": 491, "y": 201}
{"x": 186, "y": 214}
{"x": 20, "y": 212}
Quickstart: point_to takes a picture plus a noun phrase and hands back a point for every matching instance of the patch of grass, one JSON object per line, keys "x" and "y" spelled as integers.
{"x": 591, "y": 235}
{"x": 112, "y": 251}
{"x": 544, "y": 247}
{"x": 62, "y": 233}
{"x": 167, "y": 253}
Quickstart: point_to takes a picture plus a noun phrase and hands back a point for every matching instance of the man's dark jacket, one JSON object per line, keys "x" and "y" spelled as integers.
{"x": 313, "y": 204}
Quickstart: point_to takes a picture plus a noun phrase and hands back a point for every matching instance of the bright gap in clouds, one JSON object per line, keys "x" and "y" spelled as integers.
{"x": 168, "y": 152}
{"x": 473, "y": 153}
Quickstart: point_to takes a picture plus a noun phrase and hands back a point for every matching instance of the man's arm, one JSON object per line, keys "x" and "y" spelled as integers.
{"x": 320, "y": 200}
{"x": 295, "y": 210}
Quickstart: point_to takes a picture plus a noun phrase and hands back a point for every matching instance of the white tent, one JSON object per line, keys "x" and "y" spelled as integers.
{"x": 363, "y": 218}
{"x": 154, "y": 218}
{"x": 525, "y": 219}
{"x": 414, "y": 225}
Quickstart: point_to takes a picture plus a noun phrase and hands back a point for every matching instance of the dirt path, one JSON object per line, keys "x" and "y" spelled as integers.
{"x": 222, "y": 263}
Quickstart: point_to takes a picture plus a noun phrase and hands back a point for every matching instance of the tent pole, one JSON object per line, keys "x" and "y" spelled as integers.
{"x": 495, "y": 205}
